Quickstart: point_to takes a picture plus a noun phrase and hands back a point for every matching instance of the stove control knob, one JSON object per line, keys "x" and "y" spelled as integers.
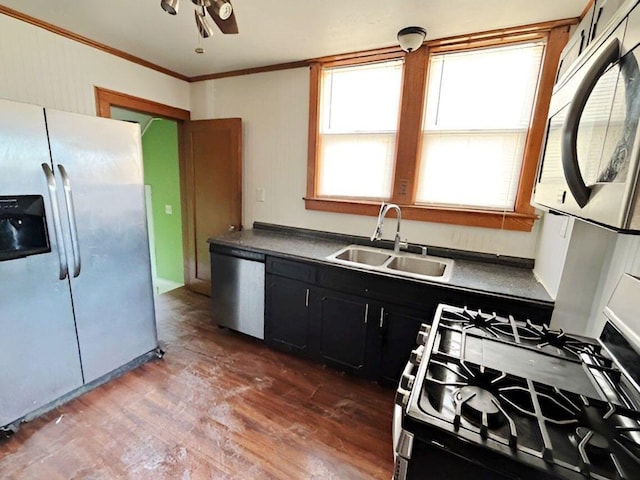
{"x": 423, "y": 334}
{"x": 406, "y": 381}
{"x": 402, "y": 397}
{"x": 416, "y": 355}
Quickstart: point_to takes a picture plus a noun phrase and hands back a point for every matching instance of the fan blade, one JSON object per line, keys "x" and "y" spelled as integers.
{"x": 226, "y": 26}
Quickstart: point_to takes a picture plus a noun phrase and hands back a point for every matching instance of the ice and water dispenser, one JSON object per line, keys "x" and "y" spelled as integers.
{"x": 23, "y": 227}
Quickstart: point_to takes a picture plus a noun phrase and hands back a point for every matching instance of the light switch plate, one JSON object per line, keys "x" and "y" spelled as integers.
{"x": 260, "y": 194}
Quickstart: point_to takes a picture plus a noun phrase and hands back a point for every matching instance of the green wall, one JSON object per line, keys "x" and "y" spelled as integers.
{"x": 161, "y": 171}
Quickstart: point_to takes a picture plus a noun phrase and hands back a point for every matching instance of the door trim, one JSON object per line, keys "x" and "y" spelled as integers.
{"x": 105, "y": 99}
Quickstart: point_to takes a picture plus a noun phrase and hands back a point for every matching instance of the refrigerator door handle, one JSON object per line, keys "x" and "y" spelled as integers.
{"x": 57, "y": 226}
{"x": 71, "y": 215}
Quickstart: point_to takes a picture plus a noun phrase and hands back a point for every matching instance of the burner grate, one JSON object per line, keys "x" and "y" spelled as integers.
{"x": 486, "y": 322}
{"x": 470, "y": 388}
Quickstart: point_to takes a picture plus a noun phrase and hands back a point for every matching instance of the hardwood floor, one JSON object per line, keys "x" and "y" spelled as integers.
{"x": 219, "y": 405}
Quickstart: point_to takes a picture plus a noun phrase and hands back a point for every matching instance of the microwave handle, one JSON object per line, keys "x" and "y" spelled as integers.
{"x": 569, "y": 149}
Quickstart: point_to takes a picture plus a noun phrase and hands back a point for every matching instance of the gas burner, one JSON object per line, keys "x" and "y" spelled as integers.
{"x": 557, "y": 342}
{"x": 610, "y": 443}
{"x": 556, "y": 338}
{"x": 475, "y": 394}
{"x": 478, "y": 405}
{"x": 489, "y": 323}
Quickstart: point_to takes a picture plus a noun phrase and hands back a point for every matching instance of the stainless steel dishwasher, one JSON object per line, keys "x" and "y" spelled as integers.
{"x": 237, "y": 289}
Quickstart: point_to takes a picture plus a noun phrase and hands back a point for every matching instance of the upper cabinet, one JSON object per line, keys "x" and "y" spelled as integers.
{"x": 592, "y": 24}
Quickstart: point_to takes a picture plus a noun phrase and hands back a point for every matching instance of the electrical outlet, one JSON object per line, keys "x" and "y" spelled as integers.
{"x": 168, "y": 209}
{"x": 260, "y": 194}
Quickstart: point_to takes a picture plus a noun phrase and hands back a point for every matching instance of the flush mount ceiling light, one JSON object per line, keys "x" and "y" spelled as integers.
{"x": 220, "y": 11}
{"x": 411, "y": 38}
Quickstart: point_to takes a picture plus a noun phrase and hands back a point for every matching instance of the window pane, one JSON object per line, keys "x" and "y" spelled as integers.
{"x": 359, "y": 110}
{"x": 486, "y": 88}
{"x": 364, "y": 98}
{"x": 358, "y": 165}
{"x": 477, "y": 113}
{"x": 469, "y": 170}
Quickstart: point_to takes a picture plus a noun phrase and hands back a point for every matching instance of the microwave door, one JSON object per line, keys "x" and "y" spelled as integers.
{"x": 612, "y": 200}
{"x": 551, "y": 189}
{"x": 586, "y": 123}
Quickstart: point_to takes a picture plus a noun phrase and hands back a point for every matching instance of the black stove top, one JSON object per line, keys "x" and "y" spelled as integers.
{"x": 526, "y": 334}
{"x": 550, "y": 400}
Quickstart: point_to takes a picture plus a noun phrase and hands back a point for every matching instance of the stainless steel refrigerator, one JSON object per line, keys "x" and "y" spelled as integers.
{"x": 76, "y": 300}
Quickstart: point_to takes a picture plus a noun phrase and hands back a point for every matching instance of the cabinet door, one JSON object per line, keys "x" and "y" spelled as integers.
{"x": 398, "y": 328}
{"x": 577, "y": 43}
{"x": 287, "y": 314}
{"x": 343, "y": 331}
{"x": 603, "y": 12}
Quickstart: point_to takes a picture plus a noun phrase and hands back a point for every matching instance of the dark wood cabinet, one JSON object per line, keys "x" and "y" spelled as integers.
{"x": 287, "y": 314}
{"x": 361, "y": 323}
{"x": 397, "y": 331}
{"x": 343, "y": 327}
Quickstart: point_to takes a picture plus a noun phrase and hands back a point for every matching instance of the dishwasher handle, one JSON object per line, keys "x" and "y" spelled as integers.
{"x": 237, "y": 252}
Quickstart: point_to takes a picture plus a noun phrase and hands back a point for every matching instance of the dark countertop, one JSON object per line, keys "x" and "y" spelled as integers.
{"x": 510, "y": 281}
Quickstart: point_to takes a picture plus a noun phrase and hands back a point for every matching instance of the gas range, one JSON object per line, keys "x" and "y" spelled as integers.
{"x": 499, "y": 398}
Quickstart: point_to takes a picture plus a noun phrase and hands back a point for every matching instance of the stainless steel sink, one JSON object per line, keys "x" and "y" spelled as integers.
{"x": 405, "y": 264}
{"x": 420, "y": 266}
{"x": 360, "y": 255}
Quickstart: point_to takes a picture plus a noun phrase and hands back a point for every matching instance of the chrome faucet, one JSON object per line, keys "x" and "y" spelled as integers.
{"x": 377, "y": 233}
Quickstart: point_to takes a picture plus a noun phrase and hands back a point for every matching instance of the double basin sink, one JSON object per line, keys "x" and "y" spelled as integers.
{"x": 406, "y": 264}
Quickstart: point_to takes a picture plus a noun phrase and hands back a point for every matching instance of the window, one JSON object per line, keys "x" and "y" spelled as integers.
{"x": 451, "y": 132}
{"x": 476, "y": 119}
{"x": 358, "y": 129}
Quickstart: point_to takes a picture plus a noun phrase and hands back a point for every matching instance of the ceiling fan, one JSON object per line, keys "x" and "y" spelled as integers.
{"x": 221, "y": 11}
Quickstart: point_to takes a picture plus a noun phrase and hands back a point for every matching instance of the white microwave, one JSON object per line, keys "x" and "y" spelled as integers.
{"x": 590, "y": 159}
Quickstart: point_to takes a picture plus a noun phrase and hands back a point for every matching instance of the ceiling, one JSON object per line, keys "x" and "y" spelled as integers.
{"x": 279, "y": 31}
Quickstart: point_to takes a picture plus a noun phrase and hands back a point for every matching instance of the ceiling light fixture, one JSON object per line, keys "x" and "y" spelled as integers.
{"x": 170, "y": 6}
{"x": 203, "y": 27}
{"x": 220, "y": 11}
{"x": 411, "y": 38}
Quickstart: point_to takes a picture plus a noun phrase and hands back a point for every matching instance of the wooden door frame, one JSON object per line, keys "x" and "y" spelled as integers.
{"x": 105, "y": 99}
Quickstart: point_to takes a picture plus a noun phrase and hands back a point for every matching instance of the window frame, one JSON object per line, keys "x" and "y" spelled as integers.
{"x": 409, "y": 133}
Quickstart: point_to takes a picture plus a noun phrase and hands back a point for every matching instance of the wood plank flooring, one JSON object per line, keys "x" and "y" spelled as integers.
{"x": 220, "y": 405}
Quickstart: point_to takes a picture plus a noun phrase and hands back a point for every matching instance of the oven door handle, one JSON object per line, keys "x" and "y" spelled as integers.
{"x": 580, "y": 191}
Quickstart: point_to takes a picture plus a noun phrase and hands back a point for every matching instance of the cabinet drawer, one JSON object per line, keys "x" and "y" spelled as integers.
{"x": 290, "y": 269}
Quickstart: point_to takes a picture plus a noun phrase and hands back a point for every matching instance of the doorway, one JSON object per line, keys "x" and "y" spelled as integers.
{"x": 210, "y": 178}
{"x": 161, "y": 162}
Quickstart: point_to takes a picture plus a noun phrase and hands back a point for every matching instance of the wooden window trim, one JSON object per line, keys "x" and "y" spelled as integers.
{"x": 409, "y": 136}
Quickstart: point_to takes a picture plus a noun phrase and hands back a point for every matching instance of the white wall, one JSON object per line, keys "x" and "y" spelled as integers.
{"x": 551, "y": 253}
{"x": 274, "y": 107}
{"x": 40, "y": 67}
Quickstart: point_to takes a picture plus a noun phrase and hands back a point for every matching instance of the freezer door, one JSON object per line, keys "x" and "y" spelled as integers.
{"x": 39, "y": 354}
{"x": 99, "y": 163}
